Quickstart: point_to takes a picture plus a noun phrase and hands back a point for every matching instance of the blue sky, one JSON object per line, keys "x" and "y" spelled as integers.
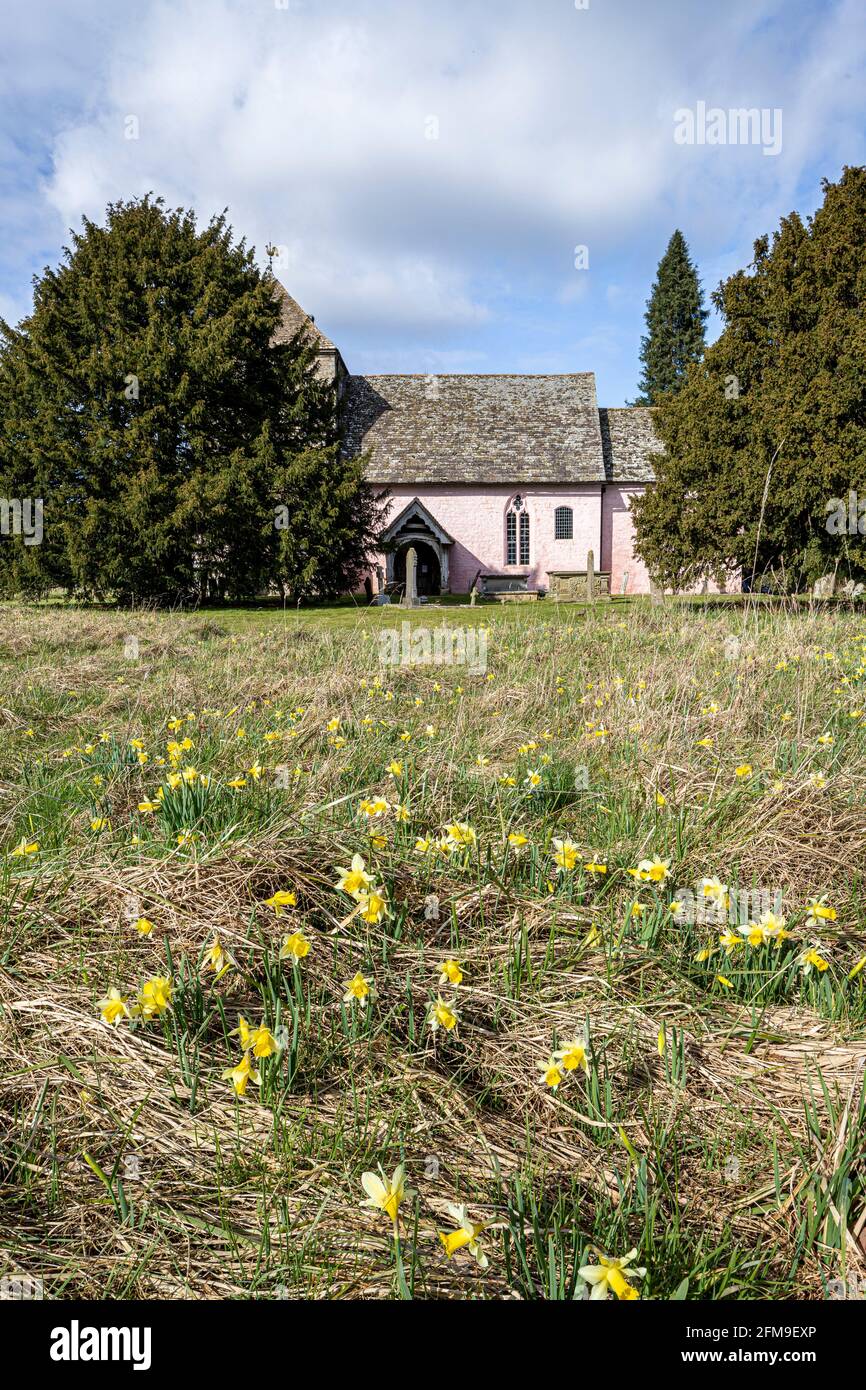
{"x": 428, "y": 170}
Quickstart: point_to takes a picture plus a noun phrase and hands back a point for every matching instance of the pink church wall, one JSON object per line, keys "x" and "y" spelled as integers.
{"x": 617, "y": 553}
{"x": 475, "y": 517}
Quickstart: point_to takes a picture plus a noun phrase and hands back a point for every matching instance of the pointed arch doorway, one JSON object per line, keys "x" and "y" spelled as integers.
{"x": 416, "y": 526}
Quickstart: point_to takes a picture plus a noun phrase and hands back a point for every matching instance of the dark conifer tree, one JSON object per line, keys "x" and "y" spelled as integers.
{"x": 675, "y": 319}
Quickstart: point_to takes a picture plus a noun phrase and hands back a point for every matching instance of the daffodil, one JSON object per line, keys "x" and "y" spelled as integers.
{"x": 24, "y": 848}
{"x": 461, "y": 835}
{"x": 113, "y": 1007}
{"x": 551, "y": 1073}
{"x": 609, "y": 1277}
{"x": 811, "y": 960}
{"x": 770, "y": 927}
{"x": 653, "y": 870}
{"x": 241, "y": 1075}
{"x": 442, "y": 1015}
{"x": 450, "y": 973}
{"x": 716, "y": 891}
{"x": 264, "y": 1044}
{"x": 155, "y": 996}
{"x": 730, "y": 941}
{"x": 143, "y": 926}
{"x": 373, "y": 907}
{"x": 218, "y": 958}
{"x": 384, "y": 1194}
{"x": 279, "y": 901}
{"x": 572, "y": 1055}
{"x": 358, "y": 990}
{"x": 294, "y": 947}
{"x": 518, "y": 841}
{"x": 354, "y": 880}
{"x": 565, "y": 855}
{"x": 467, "y": 1236}
{"x": 819, "y": 911}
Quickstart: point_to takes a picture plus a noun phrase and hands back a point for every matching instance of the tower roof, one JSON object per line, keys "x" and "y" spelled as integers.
{"x": 294, "y": 319}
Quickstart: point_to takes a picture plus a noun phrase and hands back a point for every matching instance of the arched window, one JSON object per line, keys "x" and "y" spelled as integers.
{"x": 563, "y": 524}
{"x": 517, "y": 533}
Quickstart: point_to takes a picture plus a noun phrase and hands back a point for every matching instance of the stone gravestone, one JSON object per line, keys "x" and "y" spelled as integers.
{"x": 410, "y": 597}
{"x": 590, "y": 577}
{"x": 825, "y": 587}
{"x": 623, "y": 587}
{"x": 657, "y": 594}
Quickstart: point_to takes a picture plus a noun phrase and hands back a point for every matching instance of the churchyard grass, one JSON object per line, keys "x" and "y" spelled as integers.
{"x": 619, "y": 867}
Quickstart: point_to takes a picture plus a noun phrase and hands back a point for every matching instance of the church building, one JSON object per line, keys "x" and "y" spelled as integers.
{"x": 494, "y": 478}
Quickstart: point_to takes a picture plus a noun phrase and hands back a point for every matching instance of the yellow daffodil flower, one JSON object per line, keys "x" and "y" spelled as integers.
{"x": 467, "y": 1236}
{"x": 358, "y": 991}
{"x": 113, "y": 1007}
{"x": 442, "y": 1015}
{"x": 384, "y": 1194}
{"x": 241, "y": 1075}
{"x": 609, "y": 1276}
{"x": 295, "y": 947}
{"x": 461, "y": 835}
{"x": 279, "y": 901}
{"x": 450, "y": 973}
{"x": 565, "y": 855}
{"x": 551, "y": 1073}
{"x": 572, "y": 1055}
{"x": 155, "y": 996}
{"x": 24, "y": 848}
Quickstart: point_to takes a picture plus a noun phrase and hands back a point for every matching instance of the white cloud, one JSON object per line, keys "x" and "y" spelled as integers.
{"x": 555, "y": 128}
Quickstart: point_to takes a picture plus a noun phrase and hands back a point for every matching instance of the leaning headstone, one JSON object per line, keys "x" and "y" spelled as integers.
{"x": 410, "y": 598}
{"x": 590, "y": 577}
{"x": 825, "y": 587}
{"x": 473, "y": 595}
{"x": 657, "y": 594}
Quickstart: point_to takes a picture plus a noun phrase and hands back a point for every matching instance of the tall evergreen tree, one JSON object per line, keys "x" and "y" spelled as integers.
{"x": 675, "y": 318}
{"x": 765, "y": 445}
{"x": 143, "y": 400}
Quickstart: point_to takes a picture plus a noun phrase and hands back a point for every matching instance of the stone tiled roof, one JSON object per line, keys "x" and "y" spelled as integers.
{"x": 293, "y": 319}
{"x": 476, "y": 429}
{"x": 629, "y": 442}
